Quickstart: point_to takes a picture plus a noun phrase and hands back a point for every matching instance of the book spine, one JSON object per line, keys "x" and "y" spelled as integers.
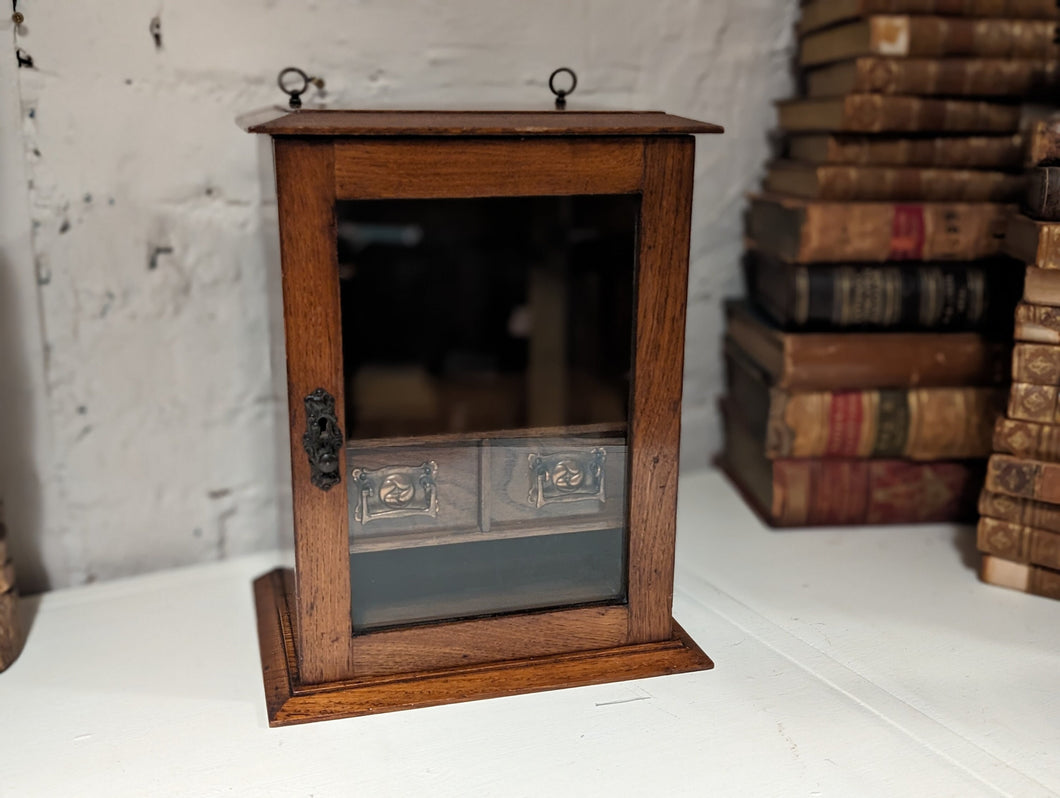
{"x": 876, "y": 113}
{"x": 882, "y": 231}
{"x": 1043, "y": 146}
{"x": 982, "y": 77}
{"x": 1034, "y": 333}
{"x": 1029, "y": 402}
{"x": 1031, "y": 579}
{"x": 971, "y": 152}
{"x": 947, "y": 36}
{"x": 887, "y": 182}
{"x": 1019, "y": 543}
{"x": 1028, "y": 479}
{"x": 1036, "y": 363}
{"x": 1039, "y": 315}
{"x": 1027, "y": 439}
{"x": 1043, "y": 193}
{"x": 910, "y": 296}
{"x": 1024, "y": 512}
{"x": 926, "y": 424}
{"x": 1042, "y": 286}
{"x": 1015, "y": 9}
{"x": 820, "y": 492}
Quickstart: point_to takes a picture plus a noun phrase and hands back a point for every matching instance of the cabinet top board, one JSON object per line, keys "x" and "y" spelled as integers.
{"x": 277, "y": 121}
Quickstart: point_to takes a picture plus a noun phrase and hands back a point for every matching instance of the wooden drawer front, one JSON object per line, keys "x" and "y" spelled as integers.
{"x": 409, "y": 489}
{"x": 549, "y": 479}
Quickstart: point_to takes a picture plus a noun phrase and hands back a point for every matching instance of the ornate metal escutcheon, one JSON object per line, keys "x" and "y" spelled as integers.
{"x": 322, "y": 439}
{"x": 566, "y": 477}
{"x": 396, "y": 491}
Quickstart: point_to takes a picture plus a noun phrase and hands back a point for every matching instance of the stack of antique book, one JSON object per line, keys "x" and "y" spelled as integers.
{"x": 865, "y": 371}
{"x": 10, "y": 633}
{"x": 1019, "y": 531}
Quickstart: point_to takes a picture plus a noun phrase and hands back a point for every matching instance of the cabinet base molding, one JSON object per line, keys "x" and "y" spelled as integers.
{"x": 288, "y": 701}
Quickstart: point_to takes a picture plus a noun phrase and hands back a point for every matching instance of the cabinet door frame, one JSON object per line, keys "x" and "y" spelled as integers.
{"x": 312, "y": 173}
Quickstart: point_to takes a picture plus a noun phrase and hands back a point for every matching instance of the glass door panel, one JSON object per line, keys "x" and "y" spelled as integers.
{"x": 487, "y": 358}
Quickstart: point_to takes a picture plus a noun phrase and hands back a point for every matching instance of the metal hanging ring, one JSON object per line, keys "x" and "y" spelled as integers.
{"x": 561, "y": 94}
{"x": 293, "y": 93}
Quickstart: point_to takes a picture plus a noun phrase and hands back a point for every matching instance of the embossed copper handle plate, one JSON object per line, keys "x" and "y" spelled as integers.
{"x": 396, "y": 491}
{"x": 566, "y": 477}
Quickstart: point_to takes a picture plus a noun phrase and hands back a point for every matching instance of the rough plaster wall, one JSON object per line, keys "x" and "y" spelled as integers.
{"x": 152, "y": 227}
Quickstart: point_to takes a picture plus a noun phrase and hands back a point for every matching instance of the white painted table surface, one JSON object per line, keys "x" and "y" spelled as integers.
{"x": 850, "y": 662}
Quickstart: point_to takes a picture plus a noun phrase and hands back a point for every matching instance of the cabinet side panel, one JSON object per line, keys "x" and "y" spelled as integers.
{"x": 305, "y": 183}
{"x": 662, "y": 286}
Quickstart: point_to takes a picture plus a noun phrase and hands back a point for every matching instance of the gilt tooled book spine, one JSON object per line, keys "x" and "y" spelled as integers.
{"x": 922, "y": 424}
{"x": 920, "y": 296}
{"x": 1033, "y": 242}
{"x": 1030, "y": 402}
{"x": 946, "y": 36}
{"x": 880, "y": 183}
{"x": 967, "y": 152}
{"x": 813, "y": 492}
{"x": 889, "y": 113}
{"x": 804, "y": 231}
{"x": 1037, "y": 324}
{"x": 1019, "y": 543}
{"x": 1043, "y": 193}
{"x": 1036, "y": 363}
{"x": 1028, "y": 479}
{"x": 1025, "y": 512}
{"x": 1033, "y": 579}
{"x": 981, "y": 77}
{"x": 1027, "y": 439}
{"x": 819, "y": 13}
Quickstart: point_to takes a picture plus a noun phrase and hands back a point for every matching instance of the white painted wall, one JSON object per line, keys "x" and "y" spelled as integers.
{"x": 139, "y": 411}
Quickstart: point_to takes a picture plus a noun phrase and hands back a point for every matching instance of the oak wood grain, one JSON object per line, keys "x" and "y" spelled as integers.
{"x": 305, "y": 192}
{"x": 289, "y": 700}
{"x": 278, "y": 121}
{"x": 414, "y": 169}
{"x": 655, "y": 416}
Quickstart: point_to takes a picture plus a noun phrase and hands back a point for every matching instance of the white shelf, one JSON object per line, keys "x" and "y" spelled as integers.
{"x": 849, "y": 662}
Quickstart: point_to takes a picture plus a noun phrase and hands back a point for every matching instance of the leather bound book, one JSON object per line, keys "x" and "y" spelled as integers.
{"x": 960, "y": 152}
{"x": 837, "y": 182}
{"x": 1023, "y": 512}
{"x": 928, "y": 36}
{"x": 1037, "y": 324}
{"x": 1027, "y": 439}
{"x": 1027, "y": 479}
{"x": 1043, "y": 144}
{"x": 804, "y": 231}
{"x": 1019, "y": 543}
{"x": 817, "y": 492}
{"x": 856, "y": 361}
{"x": 916, "y": 424}
{"x": 10, "y": 630}
{"x": 1036, "y": 363}
{"x": 887, "y": 113}
{"x": 1030, "y": 402}
{"x": 1043, "y": 193}
{"x": 1033, "y": 242}
{"x": 822, "y": 13}
{"x": 893, "y": 296}
{"x": 1041, "y": 286}
{"x": 1025, "y": 578}
{"x": 953, "y": 77}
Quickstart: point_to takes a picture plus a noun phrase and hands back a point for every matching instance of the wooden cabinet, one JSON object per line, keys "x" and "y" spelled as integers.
{"x": 484, "y": 320}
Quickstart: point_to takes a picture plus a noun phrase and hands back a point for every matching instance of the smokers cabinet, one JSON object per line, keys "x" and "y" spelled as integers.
{"x": 484, "y": 317}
